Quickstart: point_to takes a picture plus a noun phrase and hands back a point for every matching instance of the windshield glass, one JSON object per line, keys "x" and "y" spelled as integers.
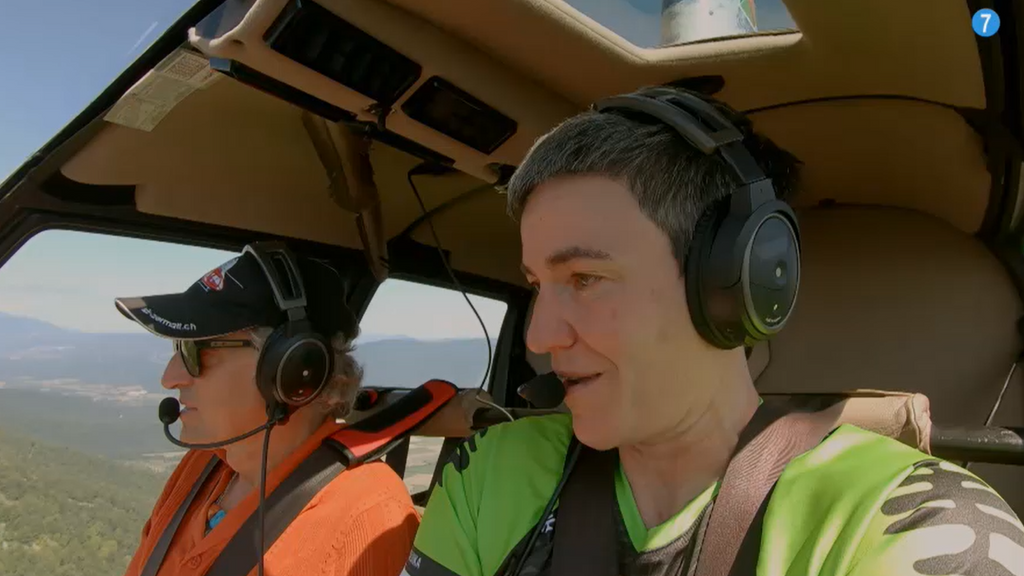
{"x": 57, "y": 56}
{"x": 660, "y": 23}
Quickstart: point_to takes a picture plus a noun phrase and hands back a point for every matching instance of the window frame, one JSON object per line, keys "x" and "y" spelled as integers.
{"x": 503, "y": 341}
{"x": 356, "y": 273}
{"x": 474, "y": 290}
{"x": 508, "y": 347}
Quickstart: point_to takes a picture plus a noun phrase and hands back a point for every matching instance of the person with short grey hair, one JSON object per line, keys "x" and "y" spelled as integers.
{"x": 671, "y": 182}
{"x": 610, "y": 204}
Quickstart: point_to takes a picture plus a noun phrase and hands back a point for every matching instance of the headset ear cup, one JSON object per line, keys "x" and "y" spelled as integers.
{"x": 294, "y": 369}
{"x": 305, "y": 369}
{"x": 771, "y": 275}
{"x": 753, "y": 292}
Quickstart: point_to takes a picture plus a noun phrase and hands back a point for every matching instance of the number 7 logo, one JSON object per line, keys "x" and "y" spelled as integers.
{"x": 985, "y": 22}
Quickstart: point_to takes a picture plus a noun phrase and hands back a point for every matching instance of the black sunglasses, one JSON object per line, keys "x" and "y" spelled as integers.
{"x": 189, "y": 351}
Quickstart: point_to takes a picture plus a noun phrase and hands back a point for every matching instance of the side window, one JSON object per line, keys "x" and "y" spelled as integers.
{"x": 82, "y": 456}
{"x": 412, "y": 333}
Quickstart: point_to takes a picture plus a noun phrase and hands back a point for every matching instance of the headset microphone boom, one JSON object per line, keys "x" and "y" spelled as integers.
{"x": 170, "y": 410}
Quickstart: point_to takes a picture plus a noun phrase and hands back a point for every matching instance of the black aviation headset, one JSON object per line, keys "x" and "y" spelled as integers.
{"x": 296, "y": 361}
{"x": 743, "y": 264}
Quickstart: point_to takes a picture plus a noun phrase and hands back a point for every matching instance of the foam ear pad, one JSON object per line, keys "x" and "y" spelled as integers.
{"x": 697, "y": 256}
{"x": 293, "y": 368}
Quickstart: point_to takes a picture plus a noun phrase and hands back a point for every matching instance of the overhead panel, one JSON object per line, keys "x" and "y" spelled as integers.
{"x": 314, "y": 37}
{"x": 405, "y": 80}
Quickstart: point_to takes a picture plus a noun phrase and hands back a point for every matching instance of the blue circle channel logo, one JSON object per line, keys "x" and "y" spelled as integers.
{"x": 985, "y": 22}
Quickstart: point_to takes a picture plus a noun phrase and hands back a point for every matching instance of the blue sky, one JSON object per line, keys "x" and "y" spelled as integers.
{"x": 56, "y": 56}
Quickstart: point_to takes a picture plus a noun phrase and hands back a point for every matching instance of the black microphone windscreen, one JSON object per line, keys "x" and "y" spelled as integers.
{"x": 544, "y": 391}
{"x": 169, "y": 410}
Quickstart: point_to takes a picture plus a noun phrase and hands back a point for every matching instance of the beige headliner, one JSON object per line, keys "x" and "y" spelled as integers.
{"x": 232, "y": 155}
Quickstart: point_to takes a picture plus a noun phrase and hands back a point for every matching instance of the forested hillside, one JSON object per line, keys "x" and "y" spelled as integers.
{"x": 65, "y": 513}
{"x": 108, "y": 429}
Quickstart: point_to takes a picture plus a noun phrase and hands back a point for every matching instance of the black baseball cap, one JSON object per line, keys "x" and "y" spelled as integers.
{"x": 237, "y": 295}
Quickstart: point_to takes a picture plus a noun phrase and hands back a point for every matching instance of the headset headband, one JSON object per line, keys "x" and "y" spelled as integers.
{"x": 709, "y": 132}
{"x": 289, "y": 291}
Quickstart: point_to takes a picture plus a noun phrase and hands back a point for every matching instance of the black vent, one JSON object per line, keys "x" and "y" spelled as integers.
{"x": 459, "y": 115}
{"x": 316, "y": 38}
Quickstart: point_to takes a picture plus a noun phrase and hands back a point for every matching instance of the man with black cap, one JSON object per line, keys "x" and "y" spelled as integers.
{"x": 265, "y": 341}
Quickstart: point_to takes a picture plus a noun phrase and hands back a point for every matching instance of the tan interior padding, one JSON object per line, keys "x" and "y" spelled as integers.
{"x": 235, "y": 156}
{"x": 885, "y": 153}
{"x": 897, "y": 300}
{"x": 912, "y": 155}
{"x": 900, "y": 415}
{"x": 481, "y": 238}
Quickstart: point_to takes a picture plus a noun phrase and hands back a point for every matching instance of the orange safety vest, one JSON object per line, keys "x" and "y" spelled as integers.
{"x": 331, "y": 507}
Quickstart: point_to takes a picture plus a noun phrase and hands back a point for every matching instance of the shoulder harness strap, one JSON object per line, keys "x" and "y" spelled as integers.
{"x": 728, "y": 540}
{"x": 156, "y": 557}
{"x": 774, "y": 436}
{"x": 585, "y": 533}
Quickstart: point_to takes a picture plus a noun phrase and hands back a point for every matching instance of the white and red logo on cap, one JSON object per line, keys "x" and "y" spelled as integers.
{"x": 214, "y": 279}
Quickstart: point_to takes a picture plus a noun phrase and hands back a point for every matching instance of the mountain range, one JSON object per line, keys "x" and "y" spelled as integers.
{"x": 36, "y": 352}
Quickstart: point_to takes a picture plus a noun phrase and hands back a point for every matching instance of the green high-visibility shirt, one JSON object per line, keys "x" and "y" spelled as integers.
{"x": 858, "y": 504}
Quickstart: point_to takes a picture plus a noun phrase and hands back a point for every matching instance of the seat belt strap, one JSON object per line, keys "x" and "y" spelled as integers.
{"x": 156, "y": 557}
{"x": 242, "y": 552}
{"x": 585, "y": 542}
{"x": 731, "y": 543}
{"x": 728, "y": 539}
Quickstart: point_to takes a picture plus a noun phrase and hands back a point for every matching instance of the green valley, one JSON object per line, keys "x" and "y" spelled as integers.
{"x": 63, "y": 512}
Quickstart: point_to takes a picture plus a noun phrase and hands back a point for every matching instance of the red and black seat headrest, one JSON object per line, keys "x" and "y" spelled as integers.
{"x": 373, "y": 436}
